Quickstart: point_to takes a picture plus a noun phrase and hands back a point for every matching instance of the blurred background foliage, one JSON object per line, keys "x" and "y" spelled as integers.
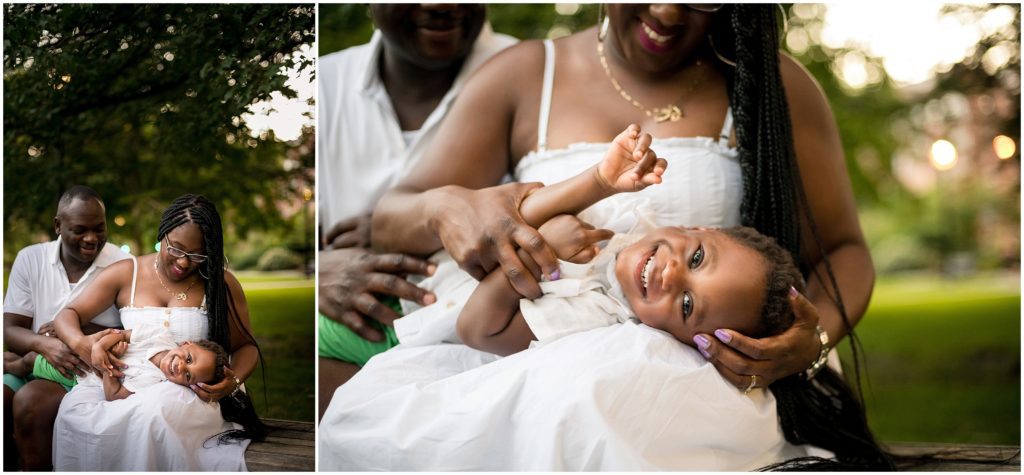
{"x": 145, "y": 102}
{"x": 932, "y": 150}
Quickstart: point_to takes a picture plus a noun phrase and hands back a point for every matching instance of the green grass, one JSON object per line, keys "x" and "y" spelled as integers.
{"x": 283, "y": 321}
{"x": 943, "y": 358}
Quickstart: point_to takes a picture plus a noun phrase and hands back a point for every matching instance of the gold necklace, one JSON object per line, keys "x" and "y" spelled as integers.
{"x": 670, "y": 113}
{"x": 179, "y": 295}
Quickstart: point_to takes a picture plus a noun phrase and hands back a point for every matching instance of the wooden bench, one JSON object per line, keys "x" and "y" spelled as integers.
{"x": 957, "y": 457}
{"x": 290, "y": 447}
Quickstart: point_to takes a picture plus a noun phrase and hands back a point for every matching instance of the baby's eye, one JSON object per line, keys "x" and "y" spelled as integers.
{"x": 698, "y": 257}
{"x": 687, "y": 305}
{"x": 188, "y": 359}
{"x": 188, "y": 376}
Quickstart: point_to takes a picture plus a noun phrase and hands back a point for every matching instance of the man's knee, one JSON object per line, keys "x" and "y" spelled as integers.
{"x": 37, "y": 403}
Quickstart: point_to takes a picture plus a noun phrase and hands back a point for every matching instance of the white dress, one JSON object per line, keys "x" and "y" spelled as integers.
{"x": 162, "y": 427}
{"x": 621, "y": 397}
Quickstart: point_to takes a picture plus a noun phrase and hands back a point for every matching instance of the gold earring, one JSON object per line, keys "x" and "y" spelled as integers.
{"x": 720, "y": 57}
{"x": 602, "y": 24}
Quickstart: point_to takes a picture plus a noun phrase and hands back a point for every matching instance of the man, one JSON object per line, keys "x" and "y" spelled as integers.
{"x": 380, "y": 106}
{"x": 44, "y": 278}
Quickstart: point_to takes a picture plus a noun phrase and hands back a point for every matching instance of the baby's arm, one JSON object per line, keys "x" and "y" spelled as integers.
{"x": 102, "y": 349}
{"x": 491, "y": 320}
{"x": 113, "y": 389}
{"x": 629, "y": 165}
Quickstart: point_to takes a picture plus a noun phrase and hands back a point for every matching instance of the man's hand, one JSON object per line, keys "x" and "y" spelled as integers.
{"x": 349, "y": 278}
{"x": 351, "y": 232}
{"x": 62, "y": 358}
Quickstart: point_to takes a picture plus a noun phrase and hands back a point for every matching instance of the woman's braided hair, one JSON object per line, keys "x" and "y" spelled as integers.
{"x": 824, "y": 411}
{"x": 200, "y": 211}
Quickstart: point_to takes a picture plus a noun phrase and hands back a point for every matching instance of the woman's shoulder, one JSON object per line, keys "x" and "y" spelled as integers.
{"x": 521, "y": 58}
{"x": 807, "y": 101}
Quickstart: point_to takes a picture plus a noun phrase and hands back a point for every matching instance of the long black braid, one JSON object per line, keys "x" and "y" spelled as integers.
{"x": 824, "y": 412}
{"x": 220, "y": 309}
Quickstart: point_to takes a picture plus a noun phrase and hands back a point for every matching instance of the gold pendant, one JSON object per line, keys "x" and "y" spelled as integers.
{"x": 669, "y": 113}
{"x": 181, "y": 296}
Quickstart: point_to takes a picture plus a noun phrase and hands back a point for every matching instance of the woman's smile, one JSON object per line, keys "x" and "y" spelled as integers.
{"x": 652, "y": 38}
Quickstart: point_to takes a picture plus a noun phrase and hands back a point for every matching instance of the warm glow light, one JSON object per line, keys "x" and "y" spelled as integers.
{"x": 119, "y": 220}
{"x": 307, "y": 194}
{"x": 1004, "y": 146}
{"x": 943, "y": 155}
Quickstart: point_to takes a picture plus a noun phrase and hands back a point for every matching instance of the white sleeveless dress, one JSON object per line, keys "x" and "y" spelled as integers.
{"x": 621, "y": 397}
{"x": 163, "y": 427}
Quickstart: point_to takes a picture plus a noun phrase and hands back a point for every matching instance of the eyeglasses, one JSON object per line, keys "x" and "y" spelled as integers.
{"x": 178, "y": 254}
{"x": 705, "y": 7}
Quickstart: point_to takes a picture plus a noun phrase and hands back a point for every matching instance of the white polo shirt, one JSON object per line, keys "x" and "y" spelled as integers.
{"x": 360, "y": 141}
{"x": 38, "y": 286}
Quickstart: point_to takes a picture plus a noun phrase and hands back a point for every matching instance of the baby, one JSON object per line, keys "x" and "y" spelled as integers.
{"x": 683, "y": 281}
{"x": 152, "y": 356}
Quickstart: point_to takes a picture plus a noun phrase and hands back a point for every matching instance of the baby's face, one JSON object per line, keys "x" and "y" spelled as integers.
{"x": 188, "y": 364}
{"x": 687, "y": 281}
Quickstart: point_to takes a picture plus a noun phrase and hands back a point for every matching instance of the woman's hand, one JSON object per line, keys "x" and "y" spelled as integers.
{"x": 481, "y": 229}
{"x": 738, "y": 357}
{"x": 630, "y": 164}
{"x": 215, "y": 392}
{"x": 572, "y": 239}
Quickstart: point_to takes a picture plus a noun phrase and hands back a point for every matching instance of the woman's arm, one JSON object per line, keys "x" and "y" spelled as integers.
{"x": 99, "y": 296}
{"x": 436, "y": 205}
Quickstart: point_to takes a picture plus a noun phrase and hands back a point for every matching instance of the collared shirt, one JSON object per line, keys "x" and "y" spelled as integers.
{"x": 38, "y": 287}
{"x": 360, "y": 143}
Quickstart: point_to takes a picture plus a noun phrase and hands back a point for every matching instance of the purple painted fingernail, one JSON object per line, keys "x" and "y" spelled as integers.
{"x": 723, "y": 336}
{"x": 702, "y": 342}
{"x": 792, "y": 292}
{"x": 704, "y": 353}
{"x": 557, "y": 274}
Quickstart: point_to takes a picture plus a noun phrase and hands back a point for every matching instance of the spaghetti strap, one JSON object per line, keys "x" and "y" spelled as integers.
{"x": 723, "y": 136}
{"x": 135, "y": 272}
{"x": 545, "y": 95}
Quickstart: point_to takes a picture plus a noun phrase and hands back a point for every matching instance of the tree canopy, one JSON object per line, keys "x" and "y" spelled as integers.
{"x": 144, "y": 102}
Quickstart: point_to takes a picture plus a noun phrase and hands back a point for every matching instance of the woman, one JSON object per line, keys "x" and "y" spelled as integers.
{"x": 166, "y": 426}
{"x": 747, "y": 134}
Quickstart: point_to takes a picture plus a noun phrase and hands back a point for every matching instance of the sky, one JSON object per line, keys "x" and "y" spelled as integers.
{"x": 285, "y": 116}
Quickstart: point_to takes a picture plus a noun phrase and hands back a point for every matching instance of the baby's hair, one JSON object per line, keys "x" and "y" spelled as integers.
{"x": 776, "y": 313}
{"x": 220, "y": 358}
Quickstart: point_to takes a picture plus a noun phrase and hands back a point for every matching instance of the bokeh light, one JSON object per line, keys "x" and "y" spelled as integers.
{"x": 943, "y": 155}
{"x": 119, "y": 220}
{"x": 1004, "y": 147}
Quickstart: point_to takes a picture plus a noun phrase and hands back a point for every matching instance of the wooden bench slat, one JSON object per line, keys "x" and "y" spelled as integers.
{"x": 289, "y": 447}
{"x": 957, "y": 457}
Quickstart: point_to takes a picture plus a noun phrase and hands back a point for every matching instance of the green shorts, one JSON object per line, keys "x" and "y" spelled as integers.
{"x": 44, "y": 370}
{"x": 340, "y": 343}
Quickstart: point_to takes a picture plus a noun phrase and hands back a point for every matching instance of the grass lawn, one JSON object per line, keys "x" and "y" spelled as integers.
{"x": 283, "y": 321}
{"x": 943, "y": 358}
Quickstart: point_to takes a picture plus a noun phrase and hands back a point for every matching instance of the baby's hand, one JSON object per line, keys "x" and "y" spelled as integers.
{"x": 630, "y": 164}
{"x": 572, "y": 240}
